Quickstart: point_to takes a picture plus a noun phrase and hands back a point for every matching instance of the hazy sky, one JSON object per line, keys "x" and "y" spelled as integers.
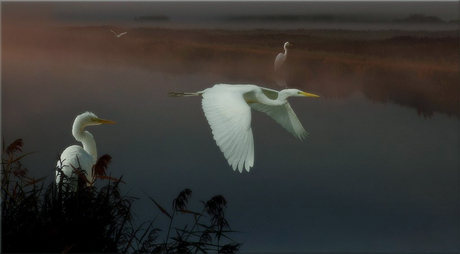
{"x": 119, "y": 10}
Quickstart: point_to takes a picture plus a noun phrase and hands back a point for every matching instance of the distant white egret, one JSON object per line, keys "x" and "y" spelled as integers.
{"x": 281, "y": 82}
{"x": 120, "y": 34}
{"x": 228, "y": 111}
{"x": 280, "y": 58}
{"x": 75, "y": 156}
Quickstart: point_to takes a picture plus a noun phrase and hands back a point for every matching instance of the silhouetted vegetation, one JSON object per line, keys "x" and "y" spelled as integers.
{"x": 152, "y": 18}
{"x": 419, "y": 18}
{"x": 57, "y": 219}
{"x": 304, "y": 18}
{"x": 330, "y": 18}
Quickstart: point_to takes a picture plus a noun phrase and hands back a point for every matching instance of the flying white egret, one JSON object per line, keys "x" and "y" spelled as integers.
{"x": 75, "y": 156}
{"x": 119, "y": 35}
{"x": 280, "y": 58}
{"x": 228, "y": 111}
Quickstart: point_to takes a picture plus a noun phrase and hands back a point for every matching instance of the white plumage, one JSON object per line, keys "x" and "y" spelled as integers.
{"x": 76, "y": 156}
{"x": 119, "y": 35}
{"x": 280, "y": 58}
{"x": 228, "y": 111}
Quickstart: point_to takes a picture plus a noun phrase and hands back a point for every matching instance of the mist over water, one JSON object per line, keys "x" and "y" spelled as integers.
{"x": 379, "y": 171}
{"x": 222, "y": 24}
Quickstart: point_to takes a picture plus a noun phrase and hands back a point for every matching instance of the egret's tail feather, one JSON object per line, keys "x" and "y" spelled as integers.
{"x": 182, "y": 94}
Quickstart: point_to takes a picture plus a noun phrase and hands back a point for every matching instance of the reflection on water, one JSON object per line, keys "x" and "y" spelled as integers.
{"x": 413, "y": 69}
{"x": 378, "y": 174}
{"x": 422, "y": 88}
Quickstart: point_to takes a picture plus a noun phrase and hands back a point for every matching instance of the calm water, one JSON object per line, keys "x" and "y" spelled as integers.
{"x": 372, "y": 176}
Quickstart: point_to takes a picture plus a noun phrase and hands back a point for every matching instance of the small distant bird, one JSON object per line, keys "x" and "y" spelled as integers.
{"x": 228, "y": 111}
{"x": 119, "y": 35}
{"x": 280, "y": 58}
{"x": 75, "y": 156}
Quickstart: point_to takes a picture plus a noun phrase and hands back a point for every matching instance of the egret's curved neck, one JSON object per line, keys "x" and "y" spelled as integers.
{"x": 281, "y": 100}
{"x": 285, "y": 49}
{"x": 85, "y": 138}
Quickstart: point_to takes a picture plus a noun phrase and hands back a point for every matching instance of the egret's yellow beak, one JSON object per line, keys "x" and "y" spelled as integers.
{"x": 103, "y": 121}
{"x": 308, "y": 94}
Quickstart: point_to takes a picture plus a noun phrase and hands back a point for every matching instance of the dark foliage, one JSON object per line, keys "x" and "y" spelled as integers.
{"x": 208, "y": 228}
{"x": 101, "y": 165}
{"x": 55, "y": 219}
{"x": 60, "y": 218}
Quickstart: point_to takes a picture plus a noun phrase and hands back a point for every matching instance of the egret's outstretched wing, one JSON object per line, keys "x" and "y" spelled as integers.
{"x": 285, "y": 116}
{"x": 229, "y": 116}
{"x": 279, "y": 60}
{"x": 122, "y": 34}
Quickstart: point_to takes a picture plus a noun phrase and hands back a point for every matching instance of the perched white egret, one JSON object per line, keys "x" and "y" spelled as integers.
{"x": 120, "y": 34}
{"x": 280, "y": 58}
{"x": 228, "y": 111}
{"x": 75, "y": 156}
